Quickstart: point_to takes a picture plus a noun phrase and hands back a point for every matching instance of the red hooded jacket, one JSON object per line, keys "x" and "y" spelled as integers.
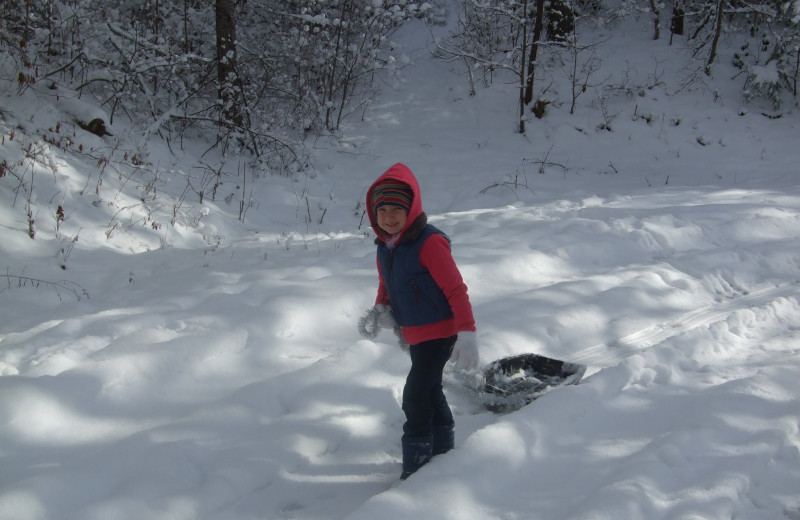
{"x": 435, "y": 256}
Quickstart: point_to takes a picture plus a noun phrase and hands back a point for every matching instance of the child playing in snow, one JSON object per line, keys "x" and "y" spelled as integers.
{"x": 421, "y": 289}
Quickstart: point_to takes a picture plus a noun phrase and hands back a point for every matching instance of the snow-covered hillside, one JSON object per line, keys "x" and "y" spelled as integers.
{"x": 213, "y": 370}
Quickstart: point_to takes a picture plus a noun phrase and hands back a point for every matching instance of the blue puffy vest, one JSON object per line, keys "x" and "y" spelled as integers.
{"x": 414, "y": 296}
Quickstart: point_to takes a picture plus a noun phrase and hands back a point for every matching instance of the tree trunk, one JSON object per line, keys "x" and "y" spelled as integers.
{"x": 156, "y": 17}
{"x": 656, "y": 19}
{"x": 226, "y": 62}
{"x": 186, "y": 47}
{"x": 717, "y": 32}
{"x": 344, "y": 21}
{"x": 522, "y": 67}
{"x": 537, "y": 36}
{"x": 678, "y": 15}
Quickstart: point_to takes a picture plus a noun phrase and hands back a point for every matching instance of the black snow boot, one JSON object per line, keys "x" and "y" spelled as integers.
{"x": 444, "y": 439}
{"x": 417, "y": 451}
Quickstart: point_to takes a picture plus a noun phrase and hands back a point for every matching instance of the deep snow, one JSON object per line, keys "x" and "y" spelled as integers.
{"x": 222, "y": 376}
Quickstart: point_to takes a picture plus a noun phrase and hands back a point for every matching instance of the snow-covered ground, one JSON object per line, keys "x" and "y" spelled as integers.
{"x": 222, "y": 376}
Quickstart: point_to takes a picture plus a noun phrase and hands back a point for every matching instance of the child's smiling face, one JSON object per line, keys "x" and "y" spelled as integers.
{"x": 392, "y": 219}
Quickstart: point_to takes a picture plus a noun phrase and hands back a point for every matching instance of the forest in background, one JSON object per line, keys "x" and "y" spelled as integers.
{"x": 262, "y": 75}
{"x": 259, "y": 80}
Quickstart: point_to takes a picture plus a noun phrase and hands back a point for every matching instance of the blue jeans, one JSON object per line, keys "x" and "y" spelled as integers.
{"x": 429, "y": 427}
{"x": 424, "y": 403}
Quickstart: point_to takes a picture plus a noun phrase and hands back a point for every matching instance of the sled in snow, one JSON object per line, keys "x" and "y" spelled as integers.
{"x": 512, "y": 382}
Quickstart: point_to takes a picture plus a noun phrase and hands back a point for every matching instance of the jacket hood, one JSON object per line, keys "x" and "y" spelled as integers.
{"x": 398, "y": 172}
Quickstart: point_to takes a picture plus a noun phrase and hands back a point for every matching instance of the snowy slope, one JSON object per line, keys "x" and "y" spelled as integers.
{"x": 223, "y": 376}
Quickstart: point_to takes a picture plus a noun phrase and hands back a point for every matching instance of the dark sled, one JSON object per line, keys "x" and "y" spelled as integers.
{"x": 512, "y": 382}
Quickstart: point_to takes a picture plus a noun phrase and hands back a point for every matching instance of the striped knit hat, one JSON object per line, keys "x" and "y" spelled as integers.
{"x": 391, "y": 192}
